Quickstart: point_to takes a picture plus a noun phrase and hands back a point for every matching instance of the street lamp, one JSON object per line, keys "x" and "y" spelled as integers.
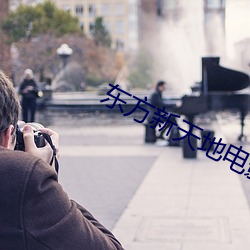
{"x": 64, "y": 51}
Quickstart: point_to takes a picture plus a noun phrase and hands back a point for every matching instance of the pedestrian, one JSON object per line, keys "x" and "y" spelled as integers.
{"x": 29, "y": 92}
{"x": 35, "y": 212}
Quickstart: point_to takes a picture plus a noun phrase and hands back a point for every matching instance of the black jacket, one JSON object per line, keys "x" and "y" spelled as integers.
{"x": 156, "y": 100}
{"x": 31, "y": 93}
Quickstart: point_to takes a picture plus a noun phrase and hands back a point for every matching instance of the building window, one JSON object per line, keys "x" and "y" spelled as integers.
{"x": 119, "y": 27}
{"x": 119, "y": 44}
{"x": 170, "y": 4}
{"x": 119, "y": 9}
{"x": 214, "y": 4}
{"x": 106, "y": 9}
{"x": 91, "y": 27}
{"x": 79, "y": 10}
{"x": 67, "y": 8}
{"x": 92, "y": 10}
{"x": 82, "y": 26}
{"x": 107, "y": 25}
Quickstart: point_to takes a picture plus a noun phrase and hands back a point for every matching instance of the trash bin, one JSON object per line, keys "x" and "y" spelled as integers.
{"x": 211, "y": 136}
{"x": 150, "y": 136}
{"x": 187, "y": 150}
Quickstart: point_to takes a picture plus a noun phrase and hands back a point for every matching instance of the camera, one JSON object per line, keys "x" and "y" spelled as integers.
{"x": 38, "y": 137}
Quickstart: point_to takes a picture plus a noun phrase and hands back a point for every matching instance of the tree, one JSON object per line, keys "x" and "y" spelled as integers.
{"x": 96, "y": 64}
{"x": 42, "y": 18}
{"x": 141, "y": 75}
{"x": 100, "y": 33}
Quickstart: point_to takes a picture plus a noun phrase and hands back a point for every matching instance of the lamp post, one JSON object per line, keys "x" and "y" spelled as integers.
{"x": 64, "y": 51}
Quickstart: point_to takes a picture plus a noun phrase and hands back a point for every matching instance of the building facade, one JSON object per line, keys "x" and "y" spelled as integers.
{"x": 15, "y": 3}
{"x": 120, "y": 18}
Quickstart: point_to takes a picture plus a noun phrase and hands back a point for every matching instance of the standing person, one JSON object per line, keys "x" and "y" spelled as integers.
{"x": 35, "y": 212}
{"x": 29, "y": 91}
{"x": 157, "y": 100}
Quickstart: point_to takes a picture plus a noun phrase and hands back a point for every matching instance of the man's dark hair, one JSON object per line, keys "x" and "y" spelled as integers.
{"x": 9, "y": 104}
{"x": 159, "y": 84}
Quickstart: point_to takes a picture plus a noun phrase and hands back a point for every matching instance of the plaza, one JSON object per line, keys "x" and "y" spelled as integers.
{"x": 148, "y": 194}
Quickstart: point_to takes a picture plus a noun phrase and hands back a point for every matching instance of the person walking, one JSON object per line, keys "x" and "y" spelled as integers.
{"x": 29, "y": 92}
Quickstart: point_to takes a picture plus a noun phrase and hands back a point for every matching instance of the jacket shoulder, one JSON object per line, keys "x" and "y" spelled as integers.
{"x": 15, "y": 169}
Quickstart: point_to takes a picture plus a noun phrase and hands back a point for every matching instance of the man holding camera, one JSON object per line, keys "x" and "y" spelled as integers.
{"x": 35, "y": 212}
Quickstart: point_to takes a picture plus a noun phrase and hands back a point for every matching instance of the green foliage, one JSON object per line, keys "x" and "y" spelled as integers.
{"x": 42, "y": 18}
{"x": 140, "y": 76}
{"x": 100, "y": 33}
{"x": 93, "y": 80}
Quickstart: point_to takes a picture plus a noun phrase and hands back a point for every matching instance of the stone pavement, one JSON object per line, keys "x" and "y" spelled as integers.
{"x": 187, "y": 204}
{"x": 181, "y": 204}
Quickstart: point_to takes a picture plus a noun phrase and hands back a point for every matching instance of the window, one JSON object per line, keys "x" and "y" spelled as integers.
{"x": 67, "y": 8}
{"x": 119, "y": 26}
{"x": 91, "y": 27}
{"x": 119, "y": 9}
{"x": 170, "y": 4}
{"x": 119, "y": 44}
{"x": 107, "y": 25}
{"x": 79, "y": 10}
{"x": 106, "y": 9}
{"x": 92, "y": 10}
{"x": 215, "y": 4}
{"x": 82, "y": 26}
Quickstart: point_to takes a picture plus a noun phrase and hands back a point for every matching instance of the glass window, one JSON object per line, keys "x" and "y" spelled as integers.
{"x": 119, "y": 44}
{"x": 79, "y": 10}
{"x": 119, "y": 26}
{"x": 214, "y": 4}
{"x": 170, "y": 4}
{"x": 82, "y": 26}
{"x": 106, "y": 9}
{"x": 91, "y": 27}
{"x": 92, "y": 10}
{"x": 119, "y": 9}
{"x": 67, "y": 8}
{"x": 107, "y": 25}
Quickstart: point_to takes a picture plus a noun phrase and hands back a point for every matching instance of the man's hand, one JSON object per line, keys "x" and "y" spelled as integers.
{"x": 28, "y": 89}
{"x": 45, "y": 153}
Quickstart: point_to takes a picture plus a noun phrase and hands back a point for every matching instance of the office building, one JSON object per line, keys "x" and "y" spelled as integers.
{"x": 120, "y": 18}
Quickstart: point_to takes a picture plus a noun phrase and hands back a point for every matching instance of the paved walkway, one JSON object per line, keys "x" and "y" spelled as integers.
{"x": 186, "y": 204}
{"x": 181, "y": 204}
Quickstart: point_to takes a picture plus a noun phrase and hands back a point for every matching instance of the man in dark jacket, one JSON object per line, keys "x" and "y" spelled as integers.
{"x": 35, "y": 212}
{"x": 157, "y": 101}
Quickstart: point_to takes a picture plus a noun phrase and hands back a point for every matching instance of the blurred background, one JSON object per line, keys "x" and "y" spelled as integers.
{"x": 135, "y": 42}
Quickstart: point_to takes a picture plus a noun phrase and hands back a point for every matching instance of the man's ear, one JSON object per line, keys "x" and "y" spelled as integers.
{"x": 7, "y": 140}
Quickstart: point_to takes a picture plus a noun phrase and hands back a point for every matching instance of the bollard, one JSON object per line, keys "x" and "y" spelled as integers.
{"x": 150, "y": 136}
{"x": 207, "y": 144}
{"x": 187, "y": 151}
